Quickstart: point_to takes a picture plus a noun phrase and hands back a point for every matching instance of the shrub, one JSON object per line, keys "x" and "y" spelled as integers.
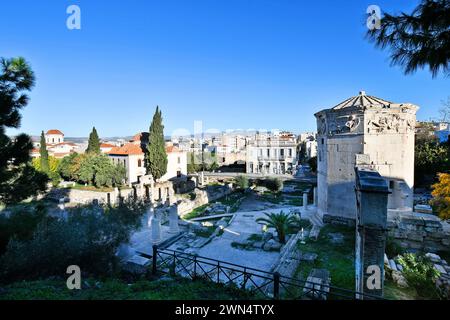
{"x": 20, "y": 224}
{"x": 281, "y": 222}
{"x": 241, "y": 181}
{"x": 393, "y": 248}
{"x": 313, "y": 164}
{"x": 420, "y": 273}
{"x": 89, "y": 238}
{"x": 273, "y": 185}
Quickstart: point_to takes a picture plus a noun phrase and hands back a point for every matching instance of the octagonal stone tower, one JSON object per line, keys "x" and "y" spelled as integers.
{"x": 364, "y": 130}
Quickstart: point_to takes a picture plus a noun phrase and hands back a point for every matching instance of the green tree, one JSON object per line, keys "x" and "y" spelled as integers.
{"x": 52, "y": 171}
{"x": 419, "y": 39}
{"x": 431, "y": 157}
{"x": 241, "y": 181}
{"x": 94, "y": 142}
{"x": 156, "y": 157}
{"x": 213, "y": 166}
{"x": 18, "y": 179}
{"x": 97, "y": 170}
{"x": 313, "y": 164}
{"x": 43, "y": 154}
{"x": 191, "y": 166}
{"x": 282, "y": 222}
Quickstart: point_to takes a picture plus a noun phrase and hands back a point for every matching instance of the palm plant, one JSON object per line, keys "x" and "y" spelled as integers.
{"x": 280, "y": 221}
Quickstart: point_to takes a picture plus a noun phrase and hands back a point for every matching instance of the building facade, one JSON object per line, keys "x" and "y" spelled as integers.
{"x": 272, "y": 154}
{"x": 364, "y": 130}
{"x": 132, "y": 156}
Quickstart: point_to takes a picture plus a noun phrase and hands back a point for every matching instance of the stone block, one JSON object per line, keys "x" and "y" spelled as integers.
{"x": 393, "y": 265}
{"x": 399, "y": 279}
{"x": 433, "y": 257}
{"x": 258, "y": 244}
{"x": 308, "y": 257}
{"x": 415, "y": 236}
{"x": 440, "y": 268}
{"x": 412, "y": 220}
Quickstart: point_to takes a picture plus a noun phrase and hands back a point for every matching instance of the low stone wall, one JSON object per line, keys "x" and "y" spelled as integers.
{"x": 413, "y": 230}
{"x": 419, "y": 231}
{"x": 203, "y": 196}
{"x": 79, "y": 196}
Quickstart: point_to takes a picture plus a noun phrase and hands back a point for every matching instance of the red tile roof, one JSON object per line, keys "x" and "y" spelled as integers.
{"x": 126, "y": 149}
{"x": 107, "y": 145}
{"x": 54, "y": 131}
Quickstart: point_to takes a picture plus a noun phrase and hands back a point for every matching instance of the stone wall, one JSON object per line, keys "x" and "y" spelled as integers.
{"x": 419, "y": 231}
{"x": 202, "y": 197}
{"x": 78, "y": 196}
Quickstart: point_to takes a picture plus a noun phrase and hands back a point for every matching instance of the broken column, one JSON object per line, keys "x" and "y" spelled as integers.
{"x": 371, "y": 220}
{"x": 315, "y": 196}
{"x": 305, "y": 200}
{"x": 156, "y": 226}
{"x": 173, "y": 219}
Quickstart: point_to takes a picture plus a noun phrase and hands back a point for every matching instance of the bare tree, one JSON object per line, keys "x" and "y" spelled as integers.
{"x": 444, "y": 112}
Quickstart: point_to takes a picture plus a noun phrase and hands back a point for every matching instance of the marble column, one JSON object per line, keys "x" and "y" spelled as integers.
{"x": 173, "y": 219}
{"x": 156, "y": 228}
{"x": 315, "y": 196}
{"x": 305, "y": 200}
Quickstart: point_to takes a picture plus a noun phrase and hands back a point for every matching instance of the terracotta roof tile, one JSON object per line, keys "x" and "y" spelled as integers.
{"x": 54, "y": 131}
{"x": 126, "y": 149}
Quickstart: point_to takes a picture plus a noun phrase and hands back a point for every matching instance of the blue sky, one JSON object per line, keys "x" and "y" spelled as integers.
{"x": 234, "y": 64}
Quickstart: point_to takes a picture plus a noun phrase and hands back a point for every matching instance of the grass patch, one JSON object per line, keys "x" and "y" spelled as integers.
{"x": 338, "y": 259}
{"x": 205, "y": 232}
{"x": 197, "y": 212}
{"x": 170, "y": 289}
{"x": 232, "y": 200}
{"x": 393, "y": 292}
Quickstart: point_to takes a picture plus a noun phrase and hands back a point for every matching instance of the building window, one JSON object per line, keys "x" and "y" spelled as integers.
{"x": 179, "y": 159}
{"x": 323, "y": 140}
{"x": 124, "y": 163}
{"x": 282, "y": 152}
{"x": 391, "y": 184}
{"x": 139, "y": 163}
{"x": 268, "y": 153}
{"x": 290, "y": 152}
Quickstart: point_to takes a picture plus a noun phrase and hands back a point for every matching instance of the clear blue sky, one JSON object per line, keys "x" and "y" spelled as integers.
{"x": 230, "y": 63}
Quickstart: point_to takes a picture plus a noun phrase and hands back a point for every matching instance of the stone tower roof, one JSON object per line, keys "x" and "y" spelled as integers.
{"x": 362, "y": 100}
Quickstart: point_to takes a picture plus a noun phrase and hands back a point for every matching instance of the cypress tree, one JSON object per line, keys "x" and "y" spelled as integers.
{"x": 156, "y": 157}
{"x": 94, "y": 142}
{"x": 44, "y": 154}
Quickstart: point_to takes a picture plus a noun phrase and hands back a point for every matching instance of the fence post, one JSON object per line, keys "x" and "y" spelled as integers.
{"x": 276, "y": 285}
{"x": 154, "y": 256}
{"x": 195, "y": 268}
{"x": 174, "y": 265}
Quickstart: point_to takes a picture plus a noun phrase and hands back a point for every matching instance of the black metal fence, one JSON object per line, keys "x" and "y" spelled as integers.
{"x": 261, "y": 283}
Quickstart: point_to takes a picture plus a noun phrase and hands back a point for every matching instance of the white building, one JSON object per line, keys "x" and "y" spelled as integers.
{"x": 311, "y": 148}
{"x": 54, "y": 136}
{"x": 132, "y": 156}
{"x": 56, "y": 146}
{"x": 270, "y": 154}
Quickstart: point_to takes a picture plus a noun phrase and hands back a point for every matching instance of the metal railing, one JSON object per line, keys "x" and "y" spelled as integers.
{"x": 261, "y": 283}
